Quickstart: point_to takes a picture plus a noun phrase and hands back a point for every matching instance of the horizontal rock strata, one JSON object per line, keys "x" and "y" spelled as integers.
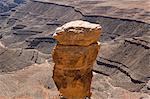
{"x": 74, "y": 56}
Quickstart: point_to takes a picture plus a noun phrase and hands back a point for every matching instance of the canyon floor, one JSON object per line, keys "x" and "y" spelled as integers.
{"x": 122, "y": 68}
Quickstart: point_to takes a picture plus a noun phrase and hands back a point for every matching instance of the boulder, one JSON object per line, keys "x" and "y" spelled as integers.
{"x": 78, "y": 33}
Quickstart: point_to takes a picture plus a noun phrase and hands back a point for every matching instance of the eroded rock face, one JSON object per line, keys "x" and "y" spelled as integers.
{"x": 78, "y": 33}
{"x": 73, "y": 56}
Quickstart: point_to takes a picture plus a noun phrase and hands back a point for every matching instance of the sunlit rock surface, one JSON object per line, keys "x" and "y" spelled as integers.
{"x": 73, "y": 60}
{"x": 78, "y": 33}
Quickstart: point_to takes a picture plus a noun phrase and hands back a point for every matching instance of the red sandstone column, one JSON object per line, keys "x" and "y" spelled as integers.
{"x": 73, "y": 56}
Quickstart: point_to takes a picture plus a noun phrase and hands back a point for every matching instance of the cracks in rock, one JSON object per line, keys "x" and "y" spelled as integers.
{"x": 138, "y": 43}
{"x": 34, "y": 57}
{"x": 34, "y": 42}
{"x": 98, "y": 72}
{"x": 121, "y": 70}
{"x": 26, "y": 32}
{"x": 21, "y": 51}
{"x": 110, "y": 17}
{"x": 115, "y": 62}
{"x": 3, "y": 52}
{"x": 141, "y": 40}
{"x": 1, "y": 36}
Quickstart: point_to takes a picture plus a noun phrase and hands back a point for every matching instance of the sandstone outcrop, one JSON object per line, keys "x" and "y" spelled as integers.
{"x": 73, "y": 56}
{"x": 123, "y": 58}
{"x": 78, "y": 33}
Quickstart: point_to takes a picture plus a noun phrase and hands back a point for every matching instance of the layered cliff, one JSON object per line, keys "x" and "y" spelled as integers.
{"x": 123, "y": 64}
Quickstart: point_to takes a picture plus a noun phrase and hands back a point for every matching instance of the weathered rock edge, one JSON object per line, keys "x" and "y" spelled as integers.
{"x": 74, "y": 56}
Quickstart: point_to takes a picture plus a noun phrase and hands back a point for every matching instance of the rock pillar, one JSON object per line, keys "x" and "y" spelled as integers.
{"x": 73, "y": 56}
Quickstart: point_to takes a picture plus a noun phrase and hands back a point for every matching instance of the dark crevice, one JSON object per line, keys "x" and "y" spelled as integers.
{"x": 1, "y": 35}
{"x": 34, "y": 42}
{"x": 121, "y": 70}
{"x": 141, "y": 40}
{"x": 33, "y": 56}
{"x": 138, "y": 44}
{"x": 98, "y": 72}
{"x": 123, "y": 19}
{"x": 36, "y": 57}
{"x": 3, "y": 52}
{"x": 21, "y": 51}
{"x": 114, "y": 62}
